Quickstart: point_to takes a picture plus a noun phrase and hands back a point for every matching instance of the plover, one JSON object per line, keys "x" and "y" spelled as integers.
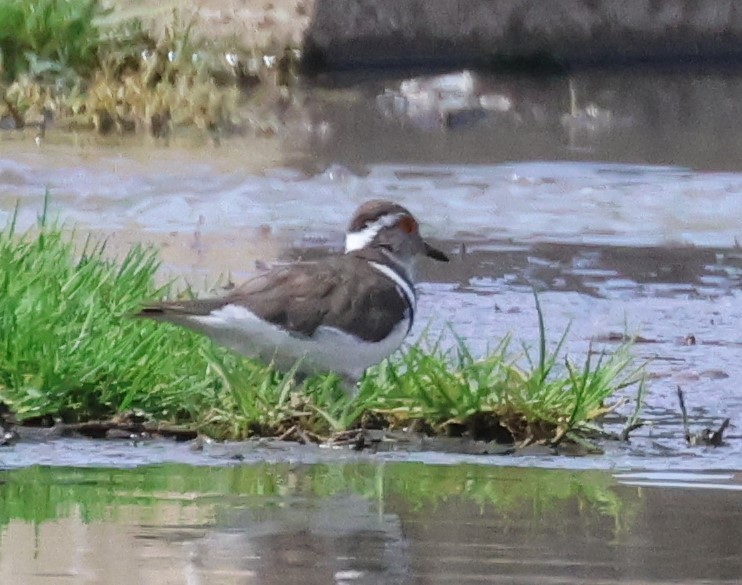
{"x": 341, "y": 314}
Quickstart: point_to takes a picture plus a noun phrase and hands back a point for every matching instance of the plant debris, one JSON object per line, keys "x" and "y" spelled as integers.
{"x": 707, "y": 437}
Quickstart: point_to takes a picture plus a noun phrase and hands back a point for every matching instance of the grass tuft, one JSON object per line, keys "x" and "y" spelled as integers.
{"x": 70, "y": 349}
{"x": 494, "y": 397}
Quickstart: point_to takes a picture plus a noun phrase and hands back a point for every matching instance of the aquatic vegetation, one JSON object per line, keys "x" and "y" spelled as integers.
{"x": 69, "y": 349}
{"x": 495, "y": 397}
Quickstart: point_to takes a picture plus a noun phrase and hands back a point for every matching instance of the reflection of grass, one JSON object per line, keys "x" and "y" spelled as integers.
{"x": 68, "y": 349}
{"x": 525, "y": 496}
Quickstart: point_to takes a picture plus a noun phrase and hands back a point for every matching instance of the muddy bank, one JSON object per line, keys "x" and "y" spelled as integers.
{"x": 382, "y": 33}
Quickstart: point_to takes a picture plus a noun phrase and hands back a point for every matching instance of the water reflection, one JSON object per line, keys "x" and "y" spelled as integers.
{"x": 650, "y": 116}
{"x": 360, "y": 523}
{"x": 599, "y": 271}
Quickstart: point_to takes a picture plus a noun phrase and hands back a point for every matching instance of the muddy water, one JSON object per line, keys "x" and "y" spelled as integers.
{"x": 616, "y": 196}
{"x": 366, "y": 523}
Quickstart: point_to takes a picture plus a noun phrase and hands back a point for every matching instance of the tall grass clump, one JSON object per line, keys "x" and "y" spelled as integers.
{"x": 497, "y": 397}
{"x": 71, "y": 350}
{"x": 68, "y": 348}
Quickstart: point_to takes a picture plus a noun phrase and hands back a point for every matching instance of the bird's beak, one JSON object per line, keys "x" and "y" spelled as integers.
{"x": 434, "y": 253}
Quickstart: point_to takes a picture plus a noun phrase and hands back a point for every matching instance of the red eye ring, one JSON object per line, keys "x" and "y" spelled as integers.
{"x": 407, "y": 224}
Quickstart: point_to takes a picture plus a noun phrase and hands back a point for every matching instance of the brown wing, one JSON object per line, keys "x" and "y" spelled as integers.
{"x": 343, "y": 292}
{"x": 280, "y": 296}
{"x": 294, "y": 297}
{"x": 367, "y": 306}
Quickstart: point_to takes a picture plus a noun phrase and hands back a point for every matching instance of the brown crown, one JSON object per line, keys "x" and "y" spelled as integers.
{"x": 372, "y": 210}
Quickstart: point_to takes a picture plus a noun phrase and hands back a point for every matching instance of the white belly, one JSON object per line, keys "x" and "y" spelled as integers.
{"x": 329, "y": 349}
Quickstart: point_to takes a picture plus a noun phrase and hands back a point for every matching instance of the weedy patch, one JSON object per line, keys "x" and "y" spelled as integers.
{"x": 505, "y": 396}
{"x": 71, "y": 63}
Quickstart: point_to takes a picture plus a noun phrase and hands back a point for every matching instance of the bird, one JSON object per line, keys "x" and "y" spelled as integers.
{"x": 341, "y": 314}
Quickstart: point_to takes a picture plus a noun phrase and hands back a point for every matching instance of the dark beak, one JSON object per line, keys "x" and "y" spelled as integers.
{"x": 435, "y": 253}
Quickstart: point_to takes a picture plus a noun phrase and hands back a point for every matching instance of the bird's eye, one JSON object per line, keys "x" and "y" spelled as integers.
{"x": 407, "y": 224}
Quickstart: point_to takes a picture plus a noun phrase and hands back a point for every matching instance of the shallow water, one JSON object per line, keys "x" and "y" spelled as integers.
{"x": 627, "y": 245}
{"x": 365, "y": 523}
{"x": 623, "y": 209}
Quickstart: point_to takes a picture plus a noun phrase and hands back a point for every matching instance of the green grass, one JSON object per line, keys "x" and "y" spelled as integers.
{"x": 48, "y": 36}
{"x": 69, "y": 348}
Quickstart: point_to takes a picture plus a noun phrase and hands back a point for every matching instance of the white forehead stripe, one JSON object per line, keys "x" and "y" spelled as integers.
{"x": 361, "y": 239}
{"x": 401, "y": 283}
